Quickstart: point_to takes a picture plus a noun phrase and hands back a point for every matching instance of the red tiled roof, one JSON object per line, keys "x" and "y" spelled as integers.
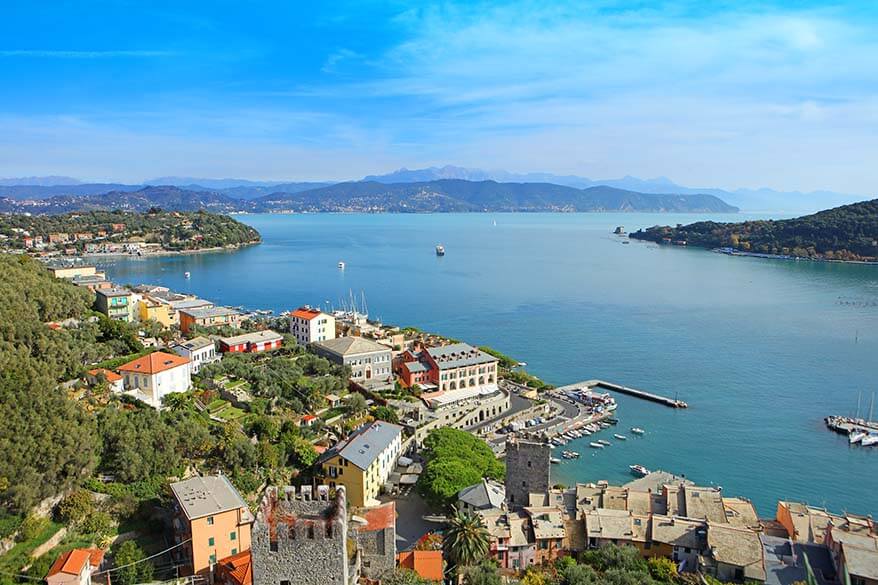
{"x": 309, "y": 417}
{"x": 380, "y": 517}
{"x": 304, "y": 313}
{"x": 238, "y": 567}
{"x": 72, "y": 562}
{"x": 426, "y": 563}
{"x": 154, "y": 363}
{"x": 109, "y": 375}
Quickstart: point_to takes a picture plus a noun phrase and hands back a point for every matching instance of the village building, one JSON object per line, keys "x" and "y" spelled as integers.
{"x": 75, "y": 567}
{"x": 208, "y": 317}
{"x": 211, "y": 520}
{"x": 374, "y": 530}
{"x": 152, "y": 377}
{"x": 363, "y": 462}
{"x": 69, "y": 271}
{"x": 311, "y": 325}
{"x": 255, "y": 342}
{"x": 733, "y": 554}
{"x": 428, "y": 564}
{"x": 369, "y": 361}
{"x": 234, "y": 570}
{"x": 151, "y": 309}
{"x": 93, "y": 282}
{"x": 485, "y": 495}
{"x": 113, "y": 380}
{"x": 115, "y": 303}
{"x": 200, "y": 351}
{"x": 527, "y": 470}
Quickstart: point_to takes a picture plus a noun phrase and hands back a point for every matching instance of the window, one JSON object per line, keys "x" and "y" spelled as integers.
{"x": 233, "y": 535}
{"x": 234, "y": 551}
{"x": 212, "y": 559}
{"x": 210, "y": 520}
{"x": 284, "y": 583}
{"x": 311, "y": 531}
{"x": 272, "y": 546}
{"x": 210, "y": 541}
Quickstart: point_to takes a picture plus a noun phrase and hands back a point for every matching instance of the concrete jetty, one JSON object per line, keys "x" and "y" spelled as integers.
{"x": 589, "y": 384}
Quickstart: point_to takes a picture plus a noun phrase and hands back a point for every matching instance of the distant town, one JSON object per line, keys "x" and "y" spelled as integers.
{"x": 245, "y": 448}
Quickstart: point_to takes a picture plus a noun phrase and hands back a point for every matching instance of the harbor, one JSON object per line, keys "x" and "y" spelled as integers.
{"x": 858, "y": 430}
{"x": 589, "y": 384}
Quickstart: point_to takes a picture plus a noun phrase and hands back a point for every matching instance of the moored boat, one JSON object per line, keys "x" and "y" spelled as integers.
{"x": 440, "y": 250}
{"x": 869, "y": 440}
{"x": 595, "y": 445}
{"x": 637, "y": 430}
{"x": 620, "y": 437}
{"x": 856, "y": 436}
{"x": 639, "y": 470}
{"x": 604, "y": 442}
{"x": 554, "y": 460}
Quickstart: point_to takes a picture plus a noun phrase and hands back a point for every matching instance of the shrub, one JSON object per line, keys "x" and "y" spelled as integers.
{"x": 662, "y": 569}
{"x": 75, "y": 507}
{"x": 32, "y": 527}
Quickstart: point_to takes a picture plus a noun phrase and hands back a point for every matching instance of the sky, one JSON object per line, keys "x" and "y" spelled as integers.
{"x": 711, "y": 94}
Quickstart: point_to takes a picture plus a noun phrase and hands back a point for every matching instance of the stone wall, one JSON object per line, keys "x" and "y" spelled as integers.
{"x": 378, "y": 551}
{"x": 300, "y": 540}
{"x": 527, "y": 470}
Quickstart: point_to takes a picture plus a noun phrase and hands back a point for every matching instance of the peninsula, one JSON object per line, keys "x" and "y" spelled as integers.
{"x": 847, "y": 233}
{"x": 114, "y": 232}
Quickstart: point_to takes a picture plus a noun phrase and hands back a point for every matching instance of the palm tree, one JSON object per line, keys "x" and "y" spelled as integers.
{"x": 465, "y": 542}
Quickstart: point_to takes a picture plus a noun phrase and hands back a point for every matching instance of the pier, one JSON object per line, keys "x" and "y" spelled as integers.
{"x": 589, "y": 384}
{"x": 845, "y": 425}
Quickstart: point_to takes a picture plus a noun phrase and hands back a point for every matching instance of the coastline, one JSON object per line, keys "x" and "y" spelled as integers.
{"x": 164, "y": 253}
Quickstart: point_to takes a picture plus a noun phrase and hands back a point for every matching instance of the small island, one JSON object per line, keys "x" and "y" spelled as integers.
{"x": 123, "y": 232}
{"x": 846, "y": 234}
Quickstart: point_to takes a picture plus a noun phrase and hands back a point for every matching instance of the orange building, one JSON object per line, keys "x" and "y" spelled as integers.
{"x": 426, "y": 563}
{"x": 75, "y": 567}
{"x": 235, "y": 570}
{"x": 212, "y": 519}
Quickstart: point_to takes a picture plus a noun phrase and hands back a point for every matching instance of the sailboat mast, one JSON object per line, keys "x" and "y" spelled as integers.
{"x": 859, "y": 396}
{"x": 871, "y": 406}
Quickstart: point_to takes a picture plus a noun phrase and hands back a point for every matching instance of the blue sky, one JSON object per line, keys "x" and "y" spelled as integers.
{"x": 725, "y": 94}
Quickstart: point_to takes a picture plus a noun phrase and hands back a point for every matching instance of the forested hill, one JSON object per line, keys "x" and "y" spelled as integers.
{"x": 173, "y": 230}
{"x": 446, "y": 195}
{"x": 849, "y": 232}
{"x": 457, "y": 195}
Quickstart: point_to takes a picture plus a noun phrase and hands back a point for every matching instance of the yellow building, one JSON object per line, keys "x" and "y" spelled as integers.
{"x": 74, "y": 270}
{"x": 211, "y": 521}
{"x": 363, "y": 462}
{"x": 148, "y": 308}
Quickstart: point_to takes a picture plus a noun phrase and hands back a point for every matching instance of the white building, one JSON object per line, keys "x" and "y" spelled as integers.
{"x": 154, "y": 376}
{"x": 200, "y": 351}
{"x": 309, "y": 325}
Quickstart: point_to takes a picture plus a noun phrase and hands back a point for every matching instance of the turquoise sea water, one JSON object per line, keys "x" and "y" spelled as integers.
{"x": 761, "y": 349}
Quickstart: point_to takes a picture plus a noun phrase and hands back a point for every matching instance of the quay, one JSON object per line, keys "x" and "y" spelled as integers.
{"x": 589, "y": 384}
{"x": 844, "y": 424}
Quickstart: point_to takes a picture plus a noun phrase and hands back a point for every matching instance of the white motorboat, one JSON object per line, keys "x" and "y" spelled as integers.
{"x": 604, "y": 442}
{"x": 869, "y": 440}
{"x": 637, "y": 430}
{"x": 440, "y": 250}
{"x": 341, "y": 265}
{"x": 639, "y": 470}
{"x": 620, "y": 437}
{"x": 554, "y": 460}
{"x": 186, "y": 274}
{"x": 856, "y": 436}
{"x": 596, "y": 445}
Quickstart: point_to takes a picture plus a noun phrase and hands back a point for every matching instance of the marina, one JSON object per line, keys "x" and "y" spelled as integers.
{"x": 589, "y": 384}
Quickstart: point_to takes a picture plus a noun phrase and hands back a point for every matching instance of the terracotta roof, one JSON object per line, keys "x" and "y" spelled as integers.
{"x": 154, "y": 363}
{"x": 304, "y": 313}
{"x": 238, "y": 567}
{"x": 108, "y": 374}
{"x": 74, "y": 561}
{"x": 380, "y": 517}
{"x": 426, "y": 563}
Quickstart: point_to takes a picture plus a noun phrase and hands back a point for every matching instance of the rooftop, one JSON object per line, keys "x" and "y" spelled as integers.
{"x": 239, "y": 567}
{"x": 457, "y": 355}
{"x": 547, "y": 522}
{"x": 738, "y": 547}
{"x": 205, "y": 496}
{"x": 483, "y": 495}
{"x": 196, "y": 343}
{"x": 206, "y": 312}
{"x": 860, "y": 562}
{"x": 306, "y": 313}
{"x": 186, "y": 304}
{"x": 113, "y": 292}
{"x": 74, "y": 561}
{"x": 345, "y": 346}
{"x": 255, "y": 337}
{"x": 678, "y": 531}
{"x": 426, "y": 563}
{"x": 154, "y": 363}
{"x": 365, "y": 446}
{"x": 379, "y": 517}
{"x": 108, "y": 374}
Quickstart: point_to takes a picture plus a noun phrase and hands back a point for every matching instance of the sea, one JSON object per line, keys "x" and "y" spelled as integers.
{"x": 761, "y": 349}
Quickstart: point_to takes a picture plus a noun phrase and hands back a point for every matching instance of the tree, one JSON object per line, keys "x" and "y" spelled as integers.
{"x": 626, "y": 558}
{"x": 132, "y": 568}
{"x": 455, "y": 460}
{"x": 662, "y": 569}
{"x": 465, "y": 541}
{"x": 485, "y": 573}
{"x": 356, "y": 404}
{"x": 401, "y": 576}
{"x": 75, "y": 507}
{"x": 578, "y": 575}
{"x": 386, "y": 414}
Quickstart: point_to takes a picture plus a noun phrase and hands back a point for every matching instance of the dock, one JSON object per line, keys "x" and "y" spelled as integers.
{"x": 589, "y": 384}
{"x": 845, "y": 424}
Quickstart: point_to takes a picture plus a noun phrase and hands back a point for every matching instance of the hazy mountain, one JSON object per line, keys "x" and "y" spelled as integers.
{"x": 207, "y": 183}
{"x": 166, "y": 197}
{"x": 746, "y": 199}
{"x": 447, "y": 195}
{"x": 253, "y": 192}
{"x": 46, "y": 191}
{"x": 41, "y": 181}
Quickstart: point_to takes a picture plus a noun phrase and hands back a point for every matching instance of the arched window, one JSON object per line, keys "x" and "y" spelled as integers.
{"x": 481, "y": 380}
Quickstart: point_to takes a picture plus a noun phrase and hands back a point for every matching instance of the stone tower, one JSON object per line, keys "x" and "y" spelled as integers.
{"x": 527, "y": 470}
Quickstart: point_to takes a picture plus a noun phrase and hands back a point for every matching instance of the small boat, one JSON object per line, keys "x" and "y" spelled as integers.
{"x": 341, "y": 265}
{"x": 637, "y": 430}
{"x": 620, "y": 437}
{"x": 440, "y": 250}
{"x": 495, "y": 223}
{"x": 869, "y": 440}
{"x": 596, "y": 445}
{"x": 605, "y": 425}
{"x": 574, "y": 454}
{"x": 604, "y": 442}
{"x": 639, "y": 470}
{"x": 856, "y": 436}
{"x": 186, "y": 274}
{"x": 619, "y": 231}
{"x": 613, "y": 421}
{"x": 554, "y": 460}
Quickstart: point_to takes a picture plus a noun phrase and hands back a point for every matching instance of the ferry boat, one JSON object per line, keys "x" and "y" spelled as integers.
{"x": 620, "y": 437}
{"x": 341, "y": 265}
{"x": 637, "y": 430}
{"x": 595, "y": 445}
{"x": 440, "y": 250}
{"x": 639, "y": 470}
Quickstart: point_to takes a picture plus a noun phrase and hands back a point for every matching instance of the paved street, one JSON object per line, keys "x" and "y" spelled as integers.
{"x": 410, "y": 523}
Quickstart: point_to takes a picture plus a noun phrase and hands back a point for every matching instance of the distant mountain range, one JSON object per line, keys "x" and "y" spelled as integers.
{"x": 447, "y": 195}
{"x": 244, "y": 189}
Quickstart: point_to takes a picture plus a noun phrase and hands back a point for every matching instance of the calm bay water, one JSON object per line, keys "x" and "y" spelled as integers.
{"x": 762, "y": 350}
